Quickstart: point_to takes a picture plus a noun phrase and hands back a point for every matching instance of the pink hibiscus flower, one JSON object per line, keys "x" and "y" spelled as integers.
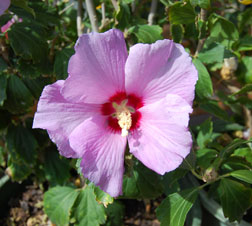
{"x": 111, "y": 97}
{"x": 8, "y": 25}
{"x": 4, "y": 4}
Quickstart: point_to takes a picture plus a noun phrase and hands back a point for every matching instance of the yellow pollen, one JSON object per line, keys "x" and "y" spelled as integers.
{"x": 123, "y": 116}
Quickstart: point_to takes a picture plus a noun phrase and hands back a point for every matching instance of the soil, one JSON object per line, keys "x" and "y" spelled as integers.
{"x": 27, "y": 210}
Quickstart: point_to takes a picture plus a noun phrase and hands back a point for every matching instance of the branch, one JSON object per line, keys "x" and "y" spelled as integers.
{"x": 203, "y": 17}
{"x": 103, "y": 12}
{"x": 92, "y": 15}
{"x": 152, "y": 11}
{"x": 79, "y": 18}
{"x": 114, "y": 3}
{"x": 66, "y": 8}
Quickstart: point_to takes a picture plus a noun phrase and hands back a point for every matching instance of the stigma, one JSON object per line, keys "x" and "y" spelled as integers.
{"x": 122, "y": 112}
{"x": 123, "y": 115}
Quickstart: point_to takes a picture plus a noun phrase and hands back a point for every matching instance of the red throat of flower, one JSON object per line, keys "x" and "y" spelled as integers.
{"x": 122, "y": 112}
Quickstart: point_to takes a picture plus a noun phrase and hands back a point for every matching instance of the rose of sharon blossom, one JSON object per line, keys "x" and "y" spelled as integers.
{"x": 4, "y": 4}
{"x": 8, "y": 25}
{"x": 111, "y": 97}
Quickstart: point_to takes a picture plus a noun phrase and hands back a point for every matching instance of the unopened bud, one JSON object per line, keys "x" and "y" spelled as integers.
{"x": 210, "y": 175}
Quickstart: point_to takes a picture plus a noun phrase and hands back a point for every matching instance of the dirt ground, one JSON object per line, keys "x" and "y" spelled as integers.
{"x": 27, "y": 210}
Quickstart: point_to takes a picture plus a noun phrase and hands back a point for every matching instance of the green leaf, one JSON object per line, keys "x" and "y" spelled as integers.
{"x": 244, "y": 89}
{"x": 21, "y": 141}
{"x": 194, "y": 217}
{"x": 235, "y": 198}
{"x": 221, "y": 28}
{"x": 204, "y": 86}
{"x": 26, "y": 40}
{"x": 18, "y": 169}
{"x": 5, "y": 119}
{"x": 212, "y": 54}
{"x": 244, "y": 175}
{"x": 103, "y": 197}
{"x": 173, "y": 210}
{"x": 170, "y": 180}
{"x": 181, "y": 13}
{"x": 61, "y": 62}
{"x": 246, "y": 153}
{"x": 244, "y": 44}
{"x": 78, "y": 167}
{"x": 27, "y": 69}
{"x": 244, "y": 18}
{"x": 130, "y": 188}
{"x": 205, "y": 157}
{"x": 245, "y": 69}
{"x": 229, "y": 149}
{"x": 189, "y": 162}
{"x": 234, "y": 163}
{"x": 3, "y": 64}
{"x": 36, "y": 85}
{"x": 143, "y": 183}
{"x": 115, "y": 213}
{"x": 177, "y": 32}
{"x": 122, "y": 15}
{"x": 19, "y": 98}
{"x": 23, "y": 4}
{"x": 56, "y": 168}
{"x": 58, "y": 202}
{"x": 46, "y": 14}
{"x": 22, "y": 146}
{"x": 87, "y": 211}
{"x": 212, "y": 107}
{"x": 205, "y": 133}
{"x": 3, "y": 87}
{"x": 223, "y": 126}
{"x": 147, "y": 33}
{"x": 205, "y": 4}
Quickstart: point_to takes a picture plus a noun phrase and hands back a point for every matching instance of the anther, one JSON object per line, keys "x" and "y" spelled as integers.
{"x": 123, "y": 115}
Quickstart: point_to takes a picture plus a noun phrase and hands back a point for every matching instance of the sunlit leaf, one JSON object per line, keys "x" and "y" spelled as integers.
{"x": 173, "y": 210}
{"x": 204, "y": 87}
{"x": 235, "y": 198}
{"x": 58, "y": 202}
{"x": 244, "y": 175}
{"x": 87, "y": 211}
{"x": 180, "y": 13}
{"x": 146, "y": 33}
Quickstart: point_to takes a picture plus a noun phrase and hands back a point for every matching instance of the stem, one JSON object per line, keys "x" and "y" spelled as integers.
{"x": 210, "y": 182}
{"x": 92, "y": 15}
{"x": 103, "y": 12}
{"x": 152, "y": 13}
{"x": 248, "y": 121}
{"x": 79, "y": 18}
{"x": 195, "y": 174}
{"x": 133, "y": 6}
{"x": 203, "y": 17}
{"x": 114, "y": 3}
{"x": 66, "y": 8}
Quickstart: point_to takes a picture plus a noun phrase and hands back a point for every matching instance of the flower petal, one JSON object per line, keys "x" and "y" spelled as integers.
{"x": 102, "y": 153}
{"x": 97, "y": 68}
{"x": 153, "y": 71}
{"x": 59, "y": 117}
{"x": 162, "y": 142}
{"x": 5, "y": 27}
{"x": 4, "y": 4}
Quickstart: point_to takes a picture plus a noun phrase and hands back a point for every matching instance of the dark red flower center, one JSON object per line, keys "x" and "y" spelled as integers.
{"x": 122, "y": 112}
